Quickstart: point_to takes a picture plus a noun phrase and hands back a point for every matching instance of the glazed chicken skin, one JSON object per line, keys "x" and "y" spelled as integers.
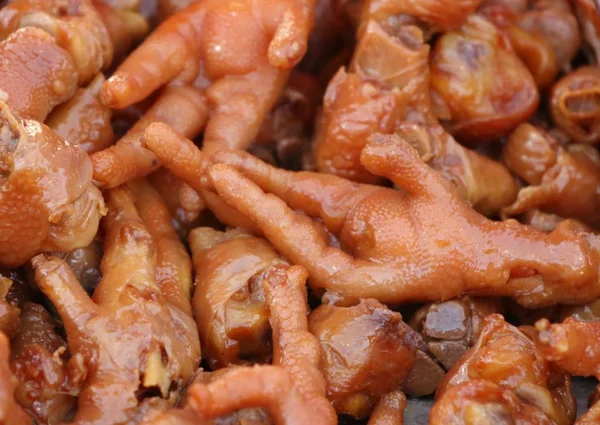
{"x": 9, "y": 312}
{"x": 292, "y": 390}
{"x": 11, "y": 413}
{"x": 563, "y": 180}
{"x": 481, "y": 90}
{"x": 574, "y": 105}
{"x": 33, "y": 83}
{"x": 229, "y": 300}
{"x": 389, "y": 410}
{"x": 48, "y": 383}
{"x": 358, "y": 378}
{"x": 504, "y": 378}
{"x": 449, "y": 241}
{"x": 240, "y": 79}
{"x": 132, "y": 337}
{"x": 589, "y": 21}
{"x": 48, "y": 200}
{"x": 373, "y": 96}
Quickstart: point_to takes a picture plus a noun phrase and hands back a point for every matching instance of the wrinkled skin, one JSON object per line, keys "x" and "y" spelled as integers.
{"x": 83, "y": 119}
{"x": 481, "y": 89}
{"x": 48, "y": 201}
{"x": 356, "y": 353}
{"x": 35, "y": 73}
{"x": 229, "y": 301}
{"x": 504, "y": 373}
{"x": 451, "y": 327}
{"x": 575, "y": 104}
{"x": 48, "y": 384}
{"x": 562, "y": 180}
{"x": 240, "y": 77}
{"x": 379, "y": 227}
{"x": 132, "y": 337}
{"x": 389, "y": 409}
{"x": 85, "y": 264}
{"x": 375, "y": 97}
{"x": 10, "y": 411}
{"x": 292, "y": 390}
{"x": 76, "y": 26}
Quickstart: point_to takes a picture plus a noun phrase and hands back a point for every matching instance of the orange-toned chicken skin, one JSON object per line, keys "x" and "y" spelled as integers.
{"x": 48, "y": 384}
{"x": 389, "y": 410}
{"x": 358, "y": 377}
{"x": 48, "y": 200}
{"x": 242, "y": 76}
{"x": 76, "y": 26}
{"x": 375, "y": 97}
{"x": 83, "y": 119}
{"x": 35, "y": 73}
{"x": 11, "y": 413}
{"x": 130, "y": 337}
{"x": 379, "y": 226}
{"x": 563, "y": 180}
{"x": 589, "y": 21}
{"x": 229, "y": 300}
{"x": 504, "y": 374}
{"x": 480, "y": 87}
{"x": 9, "y": 310}
{"x": 574, "y": 105}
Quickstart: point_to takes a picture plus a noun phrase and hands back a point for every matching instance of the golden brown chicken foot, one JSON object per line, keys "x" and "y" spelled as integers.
{"x": 573, "y": 345}
{"x": 243, "y": 81}
{"x": 183, "y": 108}
{"x": 504, "y": 258}
{"x": 76, "y": 26}
{"x": 183, "y": 158}
{"x": 48, "y": 384}
{"x": 506, "y": 357}
{"x": 83, "y": 119}
{"x": 575, "y": 107}
{"x": 389, "y": 410}
{"x": 294, "y": 347}
{"x": 48, "y": 197}
{"x": 35, "y": 74}
{"x": 10, "y": 411}
{"x": 564, "y": 180}
{"x": 130, "y": 337}
{"x": 173, "y": 264}
{"x": 269, "y": 387}
{"x": 229, "y": 301}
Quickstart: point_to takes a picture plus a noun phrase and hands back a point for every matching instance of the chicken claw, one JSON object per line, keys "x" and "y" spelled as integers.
{"x": 448, "y": 241}
{"x": 389, "y": 410}
{"x": 10, "y": 412}
{"x": 48, "y": 200}
{"x": 132, "y": 339}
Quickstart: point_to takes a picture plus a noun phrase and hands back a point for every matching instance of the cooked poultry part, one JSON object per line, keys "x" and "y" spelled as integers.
{"x": 574, "y": 104}
{"x": 464, "y": 252}
{"x": 562, "y": 180}
{"x": 183, "y": 202}
{"x": 504, "y": 376}
{"x": 589, "y": 21}
{"x": 20, "y": 291}
{"x": 293, "y": 389}
{"x": 480, "y": 88}
{"x": 9, "y": 311}
{"x": 375, "y": 97}
{"x": 354, "y": 342}
{"x": 229, "y": 300}
{"x": 547, "y": 222}
{"x": 183, "y": 108}
{"x": 11, "y": 413}
{"x": 589, "y": 312}
{"x": 35, "y": 74}
{"x": 389, "y": 409}
{"x": 85, "y": 264}
{"x": 125, "y": 27}
{"x": 450, "y": 328}
{"x": 242, "y": 76}
{"x": 76, "y": 26}
{"x": 48, "y": 383}
{"x": 133, "y": 341}
{"x": 441, "y": 15}
{"x": 48, "y": 200}
{"x": 83, "y": 119}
